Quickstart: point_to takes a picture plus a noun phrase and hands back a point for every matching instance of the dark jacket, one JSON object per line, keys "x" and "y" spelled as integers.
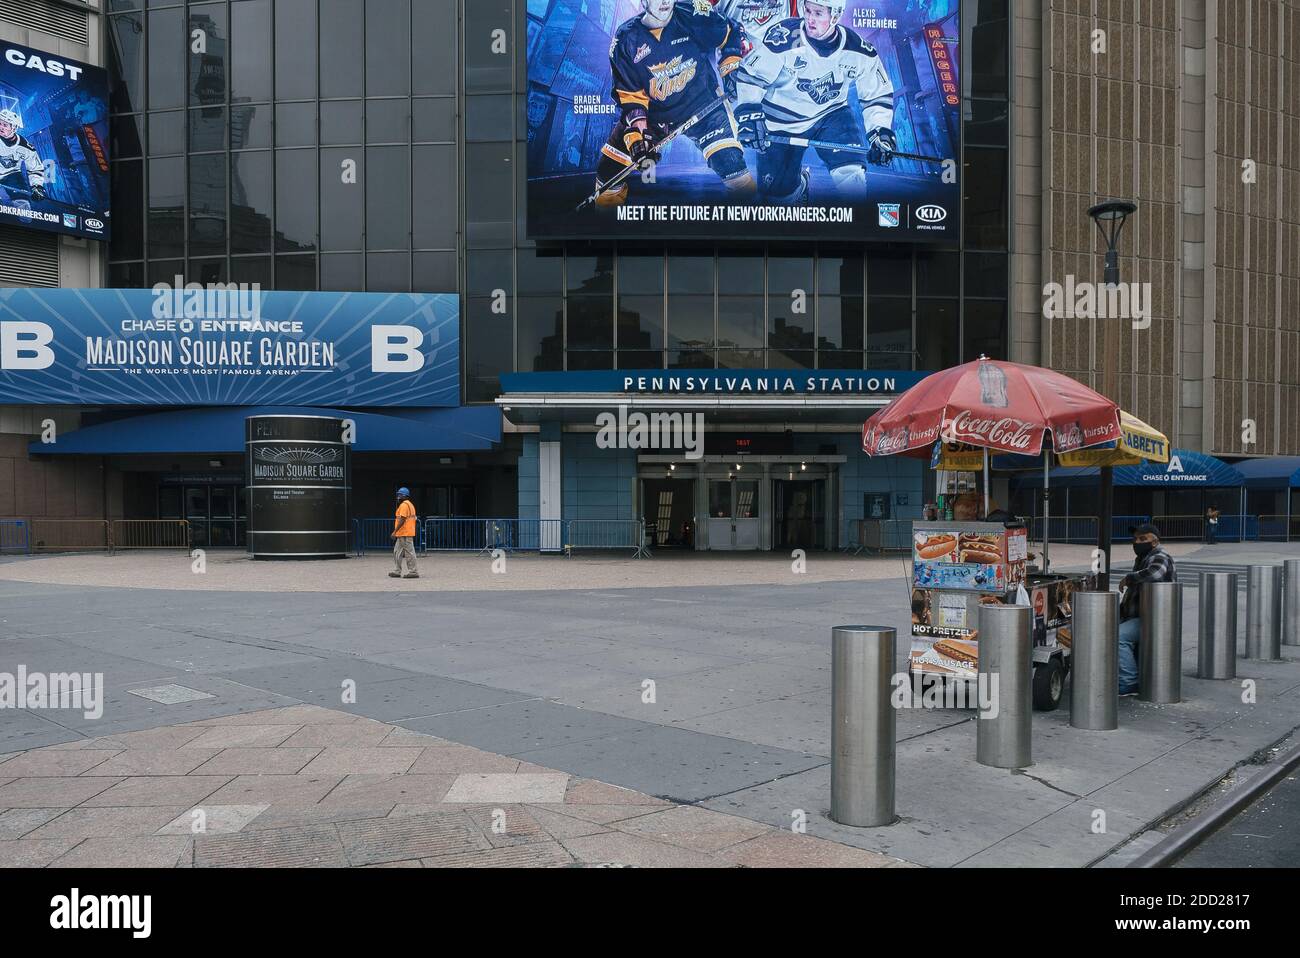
{"x": 1158, "y": 566}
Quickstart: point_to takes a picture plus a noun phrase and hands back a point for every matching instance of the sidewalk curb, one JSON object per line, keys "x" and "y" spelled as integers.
{"x": 1190, "y": 834}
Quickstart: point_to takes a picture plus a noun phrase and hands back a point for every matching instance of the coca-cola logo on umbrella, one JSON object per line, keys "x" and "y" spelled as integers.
{"x": 1012, "y": 434}
{"x": 891, "y": 443}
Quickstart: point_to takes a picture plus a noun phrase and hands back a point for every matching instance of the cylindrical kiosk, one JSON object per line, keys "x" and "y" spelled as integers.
{"x": 1094, "y": 689}
{"x": 1160, "y": 656}
{"x": 299, "y": 480}
{"x": 1003, "y": 732}
{"x": 1216, "y": 655}
{"x": 1291, "y": 603}
{"x": 1264, "y": 612}
{"x": 863, "y": 725}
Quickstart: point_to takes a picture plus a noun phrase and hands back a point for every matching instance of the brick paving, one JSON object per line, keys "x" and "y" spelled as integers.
{"x": 305, "y": 786}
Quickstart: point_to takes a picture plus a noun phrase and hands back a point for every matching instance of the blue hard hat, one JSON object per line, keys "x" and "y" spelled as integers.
{"x": 404, "y": 492}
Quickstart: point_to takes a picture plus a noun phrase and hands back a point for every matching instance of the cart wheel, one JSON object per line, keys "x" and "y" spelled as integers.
{"x": 1049, "y": 684}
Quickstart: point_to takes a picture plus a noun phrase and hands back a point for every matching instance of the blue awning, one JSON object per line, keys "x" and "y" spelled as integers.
{"x": 209, "y": 429}
{"x": 1280, "y": 472}
{"x": 1184, "y": 469}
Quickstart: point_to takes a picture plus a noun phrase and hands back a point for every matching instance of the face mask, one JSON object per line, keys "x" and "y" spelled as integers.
{"x": 1143, "y": 549}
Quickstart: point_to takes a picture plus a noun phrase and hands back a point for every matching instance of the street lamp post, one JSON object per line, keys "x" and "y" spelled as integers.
{"x": 1110, "y": 218}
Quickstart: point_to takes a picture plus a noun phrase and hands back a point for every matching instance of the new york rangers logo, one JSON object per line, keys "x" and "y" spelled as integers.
{"x": 822, "y": 90}
{"x": 890, "y": 214}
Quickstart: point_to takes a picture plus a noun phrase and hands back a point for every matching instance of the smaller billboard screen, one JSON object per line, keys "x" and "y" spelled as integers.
{"x": 53, "y": 143}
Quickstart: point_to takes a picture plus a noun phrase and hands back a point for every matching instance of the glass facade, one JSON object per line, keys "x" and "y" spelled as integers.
{"x": 368, "y": 144}
{"x": 300, "y": 144}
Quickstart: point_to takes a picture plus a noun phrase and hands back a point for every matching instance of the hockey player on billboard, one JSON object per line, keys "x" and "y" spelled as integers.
{"x": 797, "y": 82}
{"x": 54, "y": 143}
{"x": 668, "y": 66}
{"x": 22, "y": 173}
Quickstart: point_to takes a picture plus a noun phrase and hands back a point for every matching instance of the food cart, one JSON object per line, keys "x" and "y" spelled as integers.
{"x": 959, "y": 566}
{"x": 990, "y": 407}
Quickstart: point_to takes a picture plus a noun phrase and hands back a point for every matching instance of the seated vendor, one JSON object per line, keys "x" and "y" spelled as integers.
{"x": 998, "y": 514}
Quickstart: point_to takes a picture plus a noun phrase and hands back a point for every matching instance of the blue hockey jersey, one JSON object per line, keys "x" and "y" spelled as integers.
{"x": 672, "y": 71}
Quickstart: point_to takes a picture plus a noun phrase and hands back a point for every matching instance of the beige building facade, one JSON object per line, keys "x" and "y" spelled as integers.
{"x": 1190, "y": 108}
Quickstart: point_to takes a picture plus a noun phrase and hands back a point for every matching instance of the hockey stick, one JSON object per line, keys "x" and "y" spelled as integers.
{"x": 20, "y": 193}
{"x": 848, "y": 148}
{"x": 616, "y": 181}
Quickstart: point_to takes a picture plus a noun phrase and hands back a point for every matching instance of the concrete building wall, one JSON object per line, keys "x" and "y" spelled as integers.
{"x": 1253, "y": 144}
{"x": 39, "y": 487}
{"x": 1164, "y": 102}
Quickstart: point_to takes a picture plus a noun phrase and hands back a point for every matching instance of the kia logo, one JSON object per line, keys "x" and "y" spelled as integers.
{"x": 94, "y": 224}
{"x": 931, "y": 214}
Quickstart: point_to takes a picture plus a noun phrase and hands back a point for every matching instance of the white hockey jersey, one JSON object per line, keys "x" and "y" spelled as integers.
{"x": 798, "y": 85}
{"x": 18, "y": 153}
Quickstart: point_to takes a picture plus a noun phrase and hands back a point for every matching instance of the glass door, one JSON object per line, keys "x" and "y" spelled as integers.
{"x": 241, "y": 516}
{"x": 799, "y": 514}
{"x": 221, "y": 528}
{"x": 196, "y": 511}
{"x": 745, "y": 517}
{"x": 719, "y": 521}
{"x": 733, "y": 514}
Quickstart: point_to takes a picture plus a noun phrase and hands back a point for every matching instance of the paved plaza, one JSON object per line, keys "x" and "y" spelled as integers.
{"x": 612, "y": 711}
{"x": 304, "y": 786}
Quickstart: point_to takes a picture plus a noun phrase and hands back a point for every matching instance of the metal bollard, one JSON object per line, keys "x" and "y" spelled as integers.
{"x": 863, "y": 725}
{"x": 1291, "y": 615}
{"x": 1094, "y": 662}
{"x": 1160, "y": 652}
{"x": 1003, "y": 739}
{"x": 1216, "y": 656}
{"x": 1264, "y": 612}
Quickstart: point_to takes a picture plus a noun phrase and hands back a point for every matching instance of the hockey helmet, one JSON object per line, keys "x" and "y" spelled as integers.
{"x": 13, "y": 119}
{"x": 836, "y": 8}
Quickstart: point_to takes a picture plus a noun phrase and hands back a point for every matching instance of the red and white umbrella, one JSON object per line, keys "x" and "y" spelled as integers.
{"x": 994, "y": 405}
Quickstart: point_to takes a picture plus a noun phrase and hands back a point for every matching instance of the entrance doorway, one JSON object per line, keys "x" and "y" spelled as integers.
{"x": 217, "y": 514}
{"x": 669, "y": 513}
{"x": 799, "y": 514}
{"x": 733, "y": 514}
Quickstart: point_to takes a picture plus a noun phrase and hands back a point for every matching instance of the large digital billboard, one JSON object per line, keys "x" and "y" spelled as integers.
{"x": 739, "y": 119}
{"x": 228, "y": 345}
{"x": 53, "y": 143}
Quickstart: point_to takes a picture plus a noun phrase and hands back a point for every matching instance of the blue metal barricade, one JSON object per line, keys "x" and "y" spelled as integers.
{"x": 376, "y": 535}
{"x": 606, "y": 534}
{"x": 457, "y": 535}
{"x": 15, "y": 537}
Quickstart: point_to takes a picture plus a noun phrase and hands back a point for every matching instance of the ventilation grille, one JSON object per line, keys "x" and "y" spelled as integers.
{"x": 28, "y": 257}
{"x": 52, "y": 18}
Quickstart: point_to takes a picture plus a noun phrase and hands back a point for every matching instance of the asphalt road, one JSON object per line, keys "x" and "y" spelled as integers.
{"x": 1265, "y": 835}
{"x": 705, "y": 695}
